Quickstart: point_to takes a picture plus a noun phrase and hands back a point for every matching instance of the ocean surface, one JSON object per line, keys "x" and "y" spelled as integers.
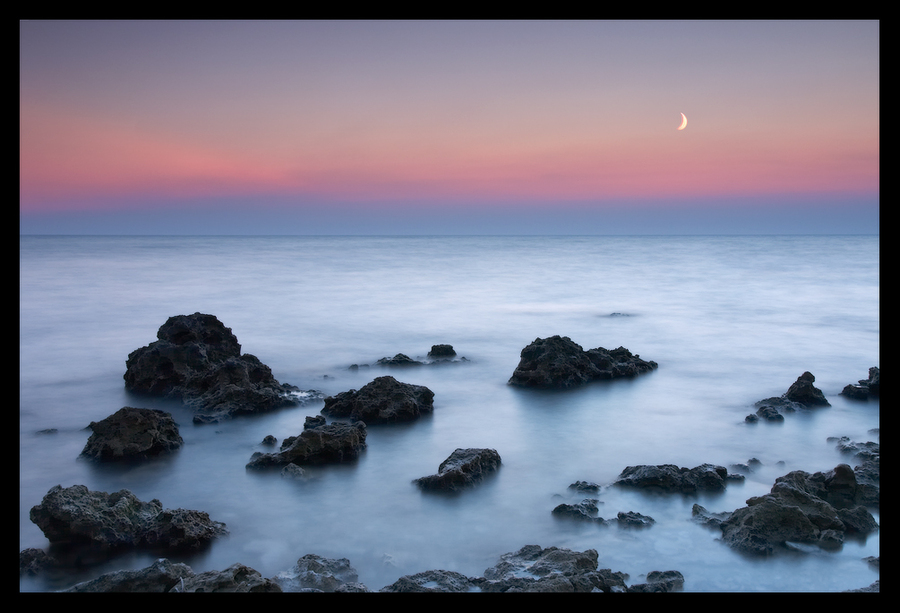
{"x": 729, "y": 320}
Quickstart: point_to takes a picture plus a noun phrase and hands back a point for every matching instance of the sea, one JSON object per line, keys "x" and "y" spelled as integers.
{"x": 730, "y": 320}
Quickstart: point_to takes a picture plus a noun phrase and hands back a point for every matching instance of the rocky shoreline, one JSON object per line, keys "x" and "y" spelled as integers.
{"x": 197, "y": 360}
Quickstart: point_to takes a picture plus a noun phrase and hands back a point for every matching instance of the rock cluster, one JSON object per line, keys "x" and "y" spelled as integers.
{"x": 558, "y": 362}
{"x": 801, "y": 508}
{"x": 166, "y": 576}
{"x": 384, "y": 400}
{"x": 133, "y": 434}
{"x": 462, "y": 469}
{"x": 198, "y": 360}
{"x": 802, "y": 394}
{"x": 75, "y": 515}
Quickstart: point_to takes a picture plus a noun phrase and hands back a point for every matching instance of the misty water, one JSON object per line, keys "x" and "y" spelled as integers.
{"x": 729, "y": 320}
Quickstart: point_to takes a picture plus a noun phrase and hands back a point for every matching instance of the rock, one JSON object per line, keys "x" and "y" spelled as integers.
{"x": 432, "y": 581}
{"x": 818, "y": 508}
{"x": 804, "y": 392}
{"x": 866, "y": 388}
{"x": 586, "y": 510}
{"x": 585, "y": 486}
{"x": 161, "y": 576}
{"x": 112, "y": 521}
{"x": 714, "y": 520}
{"x": 670, "y": 478}
{"x": 442, "y": 351}
{"x": 235, "y": 578}
{"x": 630, "y": 519}
{"x": 384, "y": 400}
{"x": 198, "y": 360}
{"x": 313, "y": 572}
{"x": 462, "y": 469}
{"x": 399, "y": 360}
{"x": 660, "y": 581}
{"x": 534, "y": 569}
{"x": 769, "y": 413}
{"x": 131, "y": 434}
{"x": 323, "y": 444}
{"x": 558, "y": 362}
{"x": 33, "y": 561}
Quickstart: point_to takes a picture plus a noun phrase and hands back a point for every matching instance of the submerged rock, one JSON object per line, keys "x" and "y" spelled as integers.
{"x": 320, "y": 444}
{"x": 76, "y": 515}
{"x": 384, "y": 400}
{"x": 161, "y": 576}
{"x": 198, "y": 360}
{"x": 316, "y": 573}
{"x": 462, "y": 469}
{"x": 558, "y": 362}
{"x": 802, "y": 394}
{"x": 132, "y": 433}
{"x": 236, "y": 578}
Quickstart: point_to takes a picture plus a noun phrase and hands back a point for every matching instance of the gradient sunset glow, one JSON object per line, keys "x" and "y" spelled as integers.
{"x": 289, "y": 120}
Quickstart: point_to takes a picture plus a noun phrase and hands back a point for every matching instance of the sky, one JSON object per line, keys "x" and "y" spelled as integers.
{"x": 449, "y": 127}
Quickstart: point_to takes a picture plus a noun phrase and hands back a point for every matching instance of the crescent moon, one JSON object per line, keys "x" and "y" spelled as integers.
{"x": 683, "y": 122}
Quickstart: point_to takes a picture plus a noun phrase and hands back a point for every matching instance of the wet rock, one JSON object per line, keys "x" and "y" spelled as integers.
{"x": 314, "y": 572}
{"x": 33, "y": 561}
{"x": 120, "y": 520}
{"x": 586, "y": 510}
{"x": 133, "y": 434}
{"x": 384, "y": 400}
{"x": 236, "y": 578}
{"x": 585, "y": 486}
{"x": 535, "y": 569}
{"x": 558, "y": 362}
{"x": 198, "y": 360}
{"x": 399, "y": 360}
{"x": 431, "y": 581}
{"x": 819, "y": 509}
{"x": 670, "y": 478}
{"x": 322, "y": 444}
{"x": 865, "y": 388}
{"x": 161, "y": 576}
{"x": 462, "y": 469}
{"x": 630, "y": 519}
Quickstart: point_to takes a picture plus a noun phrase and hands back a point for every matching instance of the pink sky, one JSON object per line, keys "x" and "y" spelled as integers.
{"x": 113, "y": 114}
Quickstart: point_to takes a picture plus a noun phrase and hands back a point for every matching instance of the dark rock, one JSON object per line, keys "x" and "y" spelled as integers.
{"x": 236, "y": 578}
{"x": 399, "y": 360}
{"x": 442, "y": 351}
{"x": 313, "y": 572}
{"x": 866, "y": 388}
{"x": 323, "y": 444}
{"x": 660, "y": 581}
{"x": 462, "y": 469}
{"x": 769, "y": 413}
{"x": 586, "y": 510}
{"x": 132, "y": 433}
{"x": 110, "y": 521}
{"x": 818, "y": 508}
{"x": 269, "y": 441}
{"x": 384, "y": 400}
{"x": 804, "y": 392}
{"x": 431, "y": 581}
{"x": 33, "y": 561}
{"x": 585, "y": 486}
{"x": 670, "y": 478}
{"x": 631, "y": 519}
{"x": 701, "y": 515}
{"x": 161, "y": 576}
{"x": 558, "y": 362}
{"x": 198, "y": 360}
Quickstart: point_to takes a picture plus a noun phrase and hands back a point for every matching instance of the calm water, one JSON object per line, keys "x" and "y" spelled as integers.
{"x": 730, "y": 320}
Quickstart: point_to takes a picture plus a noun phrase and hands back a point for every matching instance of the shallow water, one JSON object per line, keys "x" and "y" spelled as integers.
{"x": 730, "y": 320}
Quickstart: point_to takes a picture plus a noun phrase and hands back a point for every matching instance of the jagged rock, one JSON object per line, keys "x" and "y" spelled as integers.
{"x": 816, "y": 508}
{"x": 670, "y": 478}
{"x": 313, "y": 572}
{"x": 33, "y": 561}
{"x": 399, "y": 360}
{"x": 198, "y": 360}
{"x": 322, "y": 444}
{"x": 132, "y": 433}
{"x": 462, "y": 469}
{"x": 384, "y": 400}
{"x": 235, "y": 578}
{"x": 866, "y": 388}
{"x": 660, "y": 581}
{"x": 120, "y": 520}
{"x": 586, "y": 510}
{"x": 161, "y": 576}
{"x": 630, "y": 519}
{"x": 804, "y": 392}
{"x": 558, "y": 362}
